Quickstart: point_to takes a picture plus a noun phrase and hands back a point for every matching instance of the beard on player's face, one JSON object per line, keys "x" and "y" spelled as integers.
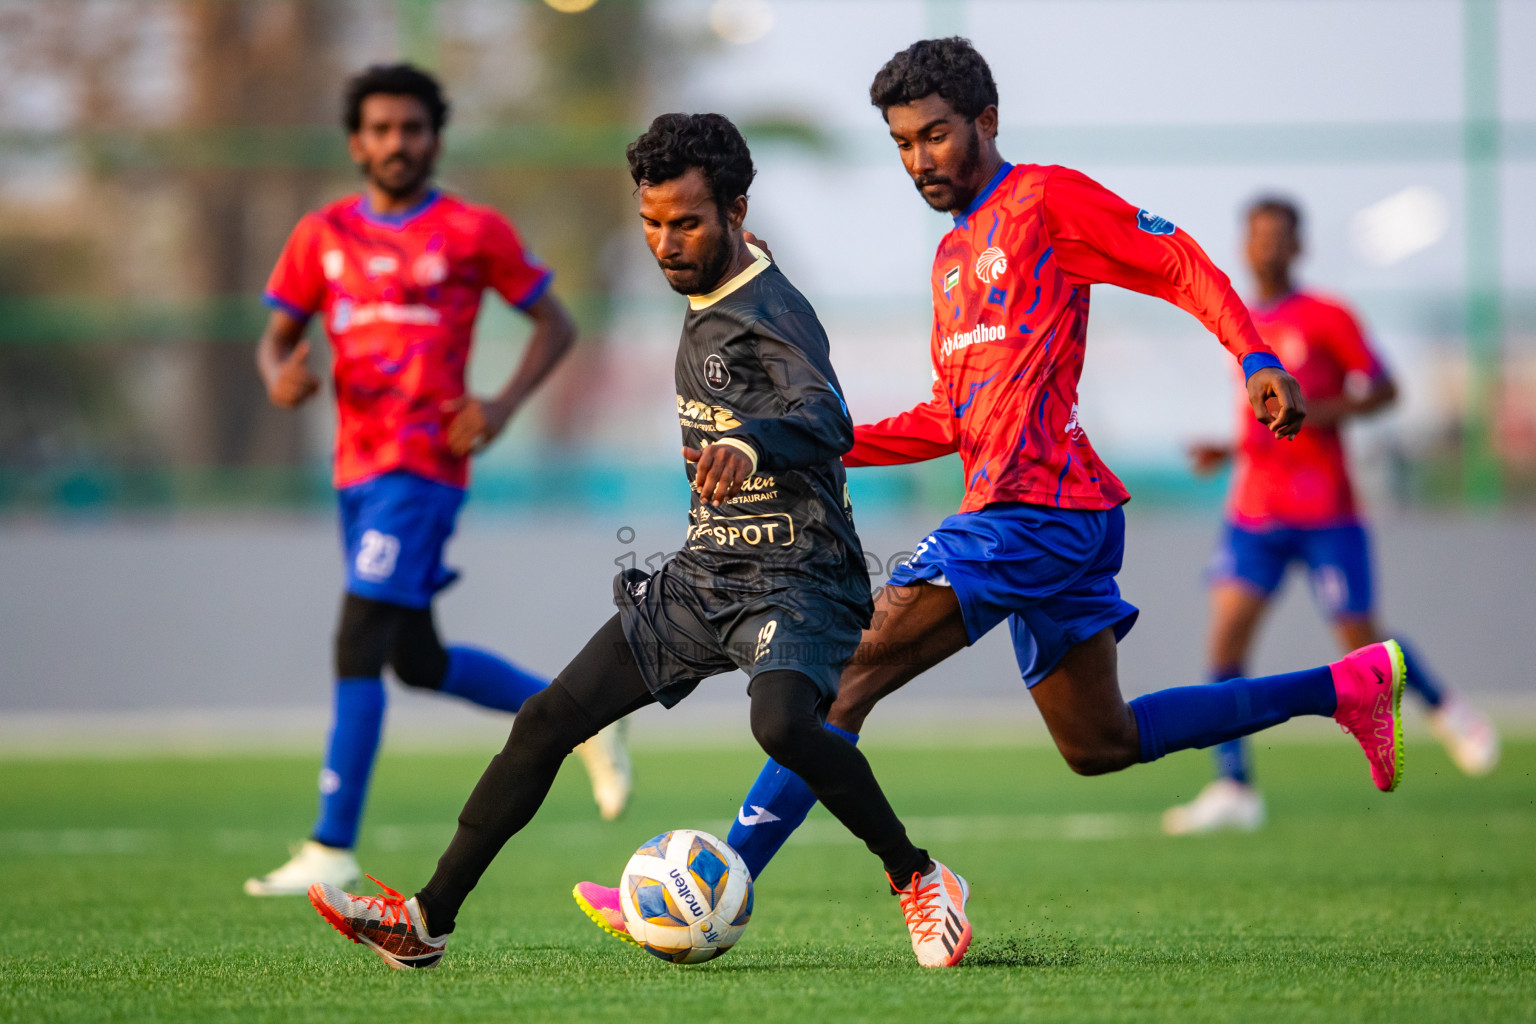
{"x": 954, "y": 191}
{"x": 399, "y": 175}
{"x": 701, "y": 270}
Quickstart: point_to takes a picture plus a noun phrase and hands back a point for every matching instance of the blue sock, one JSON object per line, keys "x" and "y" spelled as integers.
{"x": 1202, "y": 716}
{"x": 1420, "y": 679}
{"x": 774, "y": 807}
{"x": 1232, "y": 761}
{"x": 488, "y": 680}
{"x": 355, "y": 728}
{"x": 1232, "y": 756}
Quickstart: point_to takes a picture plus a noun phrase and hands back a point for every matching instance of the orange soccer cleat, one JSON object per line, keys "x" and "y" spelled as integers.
{"x": 934, "y": 906}
{"x": 392, "y": 926}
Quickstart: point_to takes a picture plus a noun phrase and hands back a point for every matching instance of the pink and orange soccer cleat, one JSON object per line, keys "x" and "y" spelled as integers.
{"x": 601, "y": 904}
{"x": 934, "y": 906}
{"x": 392, "y": 926}
{"x": 1369, "y": 686}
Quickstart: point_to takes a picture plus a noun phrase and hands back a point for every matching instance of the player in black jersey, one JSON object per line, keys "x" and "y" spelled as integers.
{"x": 771, "y": 579}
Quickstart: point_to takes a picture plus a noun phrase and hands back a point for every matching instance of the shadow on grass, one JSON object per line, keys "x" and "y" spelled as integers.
{"x": 805, "y": 958}
{"x": 1030, "y": 951}
{"x": 1033, "y": 951}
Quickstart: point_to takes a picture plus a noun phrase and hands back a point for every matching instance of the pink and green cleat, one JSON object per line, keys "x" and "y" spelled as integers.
{"x": 601, "y": 904}
{"x": 1369, "y": 686}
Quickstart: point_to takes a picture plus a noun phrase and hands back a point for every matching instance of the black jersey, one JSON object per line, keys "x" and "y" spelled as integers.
{"x": 753, "y": 368}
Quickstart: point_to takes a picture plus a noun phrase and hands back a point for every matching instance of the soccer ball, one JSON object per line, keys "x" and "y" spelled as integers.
{"x": 687, "y": 896}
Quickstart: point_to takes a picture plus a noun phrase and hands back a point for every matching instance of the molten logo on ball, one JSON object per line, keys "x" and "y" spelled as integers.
{"x": 686, "y": 896}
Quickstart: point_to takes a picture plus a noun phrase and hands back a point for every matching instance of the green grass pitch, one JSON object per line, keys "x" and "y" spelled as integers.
{"x": 123, "y": 902}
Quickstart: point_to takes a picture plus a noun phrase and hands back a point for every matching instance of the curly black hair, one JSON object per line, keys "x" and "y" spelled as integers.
{"x": 393, "y": 80}
{"x": 676, "y": 142}
{"x": 950, "y": 67}
{"x": 1279, "y": 206}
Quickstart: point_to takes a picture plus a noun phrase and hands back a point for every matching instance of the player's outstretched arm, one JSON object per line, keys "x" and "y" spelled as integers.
{"x": 282, "y": 360}
{"x": 917, "y": 435}
{"x": 477, "y": 422}
{"x": 1099, "y": 237}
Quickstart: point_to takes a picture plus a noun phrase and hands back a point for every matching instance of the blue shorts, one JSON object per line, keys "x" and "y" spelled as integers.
{"x": 393, "y": 529}
{"x": 1050, "y": 572}
{"x": 1338, "y": 561}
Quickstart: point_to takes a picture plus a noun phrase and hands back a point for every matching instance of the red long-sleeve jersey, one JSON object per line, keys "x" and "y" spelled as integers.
{"x": 1010, "y": 321}
{"x": 1304, "y": 482}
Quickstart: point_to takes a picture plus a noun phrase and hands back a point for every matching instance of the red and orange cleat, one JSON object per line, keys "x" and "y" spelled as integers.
{"x": 601, "y": 904}
{"x": 1369, "y": 686}
{"x": 934, "y": 906}
{"x": 392, "y": 926}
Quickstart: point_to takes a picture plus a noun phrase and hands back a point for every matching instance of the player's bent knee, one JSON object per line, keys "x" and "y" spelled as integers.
{"x": 550, "y": 722}
{"x": 538, "y": 718}
{"x": 1099, "y": 760}
{"x": 421, "y": 672}
{"x": 416, "y": 679}
{"x": 771, "y": 728}
{"x": 418, "y": 656}
{"x": 783, "y": 717}
{"x": 780, "y": 739}
{"x": 422, "y": 664}
{"x": 1087, "y": 764}
{"x": 364, "y": 637}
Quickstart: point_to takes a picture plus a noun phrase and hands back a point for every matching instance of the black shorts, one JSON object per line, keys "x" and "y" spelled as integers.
{"x": 681, "y": 633}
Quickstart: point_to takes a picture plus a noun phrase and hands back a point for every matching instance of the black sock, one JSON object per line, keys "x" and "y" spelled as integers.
{"x": 505, "y": 799}
{"x": 438, "y": 913}
{"x": 786, "y": 724}
{"x": 600, "y": 686}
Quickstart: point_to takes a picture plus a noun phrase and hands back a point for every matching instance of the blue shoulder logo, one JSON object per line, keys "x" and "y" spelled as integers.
{"x": 1152, "y": 224}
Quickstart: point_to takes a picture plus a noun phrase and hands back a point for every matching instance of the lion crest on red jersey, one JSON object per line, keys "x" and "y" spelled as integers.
{"x": 991, "y": 265}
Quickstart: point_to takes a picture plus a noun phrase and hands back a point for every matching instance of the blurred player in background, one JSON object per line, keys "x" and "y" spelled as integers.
{"x": 770, "y": 580}
{"x": 397, "y": 273}
{"x": 1039, "y": 536}
{"x": 1293, "y": 504}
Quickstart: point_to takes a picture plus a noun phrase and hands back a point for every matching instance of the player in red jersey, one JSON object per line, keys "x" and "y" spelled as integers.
{"x": 1039, "y": 535}
{"x": 397, "y": 274}
{"x": 1293, "y": 503}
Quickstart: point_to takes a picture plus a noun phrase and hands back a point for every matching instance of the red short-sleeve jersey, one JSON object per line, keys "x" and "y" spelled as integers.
{"x": 1010, "y": 305}
{"x": 1303, "y": 482}
{"x": 399, "y": 295}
